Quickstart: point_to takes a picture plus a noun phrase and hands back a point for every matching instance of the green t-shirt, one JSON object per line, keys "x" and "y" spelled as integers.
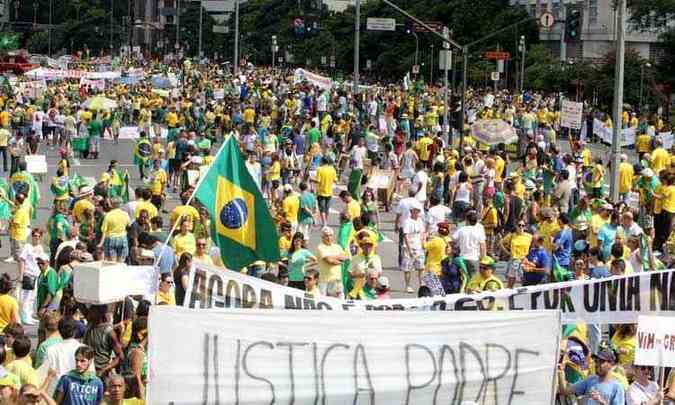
{"x": 58, "y": 227}
{"x": 313, "y": 136}
{"x": 48, "y": 283}
{"x": 95, "y": 128}
{"x": 307, "y": 203}
{"x": 296, "y": 264}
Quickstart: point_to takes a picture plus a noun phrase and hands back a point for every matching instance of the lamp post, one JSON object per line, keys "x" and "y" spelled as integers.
{"x": 642, "y": 82}
{"x": 431, "y": 67}
{"x": 521, "y": 48}
{"x": 275, "y": 48}
{"x": 112, "y": 13}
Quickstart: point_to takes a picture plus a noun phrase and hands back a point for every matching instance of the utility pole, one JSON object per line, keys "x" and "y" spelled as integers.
{"x": 618, "y": 99}
{"x": 431, "y": 67}
{"x": 357, "y": 39}
{"x": 274, "y": 50}
{"x": 522, "y": 62}
{"x": 235, "y": 62}
{"x": 446, "y": 52}
{"x": 112, "y": 15}
{"x": 462, "y": 115}
{"x": 177, "y": 45}
{"x": 563, "y": 44}
{"x": 201, "y": 26}
{"x": 51, "y": 12}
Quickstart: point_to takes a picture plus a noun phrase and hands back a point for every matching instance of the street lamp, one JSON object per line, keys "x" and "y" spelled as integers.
{"x": 521, "y": 48}
{"x": 431, "y": 66}
{"x": 642, "y": 82}
{"x": 417, "y": 50}
{"x": 275, "y": 48}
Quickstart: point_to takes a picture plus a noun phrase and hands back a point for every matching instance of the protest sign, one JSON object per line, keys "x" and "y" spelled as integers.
{"x": 301, "y": 75}
{"x": 618, "y": 299}
{"x": 36, "y": 164}
{"x": 283, "y": 357}
{"x": 570, "y": 116}
{"x": 655, "y": 341}
{"x": 108, "y": 282}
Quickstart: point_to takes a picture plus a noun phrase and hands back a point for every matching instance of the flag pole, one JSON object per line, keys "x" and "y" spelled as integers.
{"x": 199, "y": 182}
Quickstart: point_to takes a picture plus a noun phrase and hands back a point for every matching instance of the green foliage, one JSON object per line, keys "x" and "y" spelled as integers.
{"x": 38, "y": 42}
{"x": 9, "y": 41}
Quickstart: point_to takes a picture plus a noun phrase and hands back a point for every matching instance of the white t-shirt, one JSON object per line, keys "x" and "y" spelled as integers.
{"x": 256, "y": 172}
{"x": 358, "y": 154}
{"x": 572, "y": 170}
{"x": 638, "y": 395}
{"x": 38, "y": 118}
{"x": 420, "y": 181}
{"x": 61, "y": 358}
{"x": 469, "y": 238}
{"x": 413, "y": 230}
{"x": 403, "y": 209}
{"x": 437, "y": 214}
{"x": 28, "y": 254}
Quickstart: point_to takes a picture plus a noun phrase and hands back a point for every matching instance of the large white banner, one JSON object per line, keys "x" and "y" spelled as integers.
{"x": 323, "y": 82}
{"x": 617, "y": 299}
{"x": 305, "y": 357}
{"x": 655, "y": 341}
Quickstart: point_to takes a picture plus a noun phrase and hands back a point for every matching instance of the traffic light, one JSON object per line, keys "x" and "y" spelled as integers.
{"x": 573, "y": 26}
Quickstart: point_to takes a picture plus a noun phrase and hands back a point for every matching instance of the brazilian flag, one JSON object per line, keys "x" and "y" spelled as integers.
{"x": 241, "y": 224}
{"x": 119, "y": 185}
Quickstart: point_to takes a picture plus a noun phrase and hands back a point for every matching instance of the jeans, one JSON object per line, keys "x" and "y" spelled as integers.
{"x": 3, "y": 152}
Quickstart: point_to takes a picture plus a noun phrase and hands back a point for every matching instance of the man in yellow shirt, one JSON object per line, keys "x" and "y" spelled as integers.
{"x": 352, "y": 207}
{"x": 626, "y": 174}
{"x": 4, "y": 142}
{"x": 423, "y": 148}
{"x": 184, "y": 211}
{"x": 83, "y": 203}
{"x": 485, "y": 280}
{"x": 330, "y": 256}
{"x": 517, "y": 245}
{"x": 325, "y": 182}
{"x": 145, "y": 204}
{"x": 114, "y": 229}
{"x": 660, "y": 157}
{"x": 548, "y": 228}
{"x": 159, "y": 181}
{"x": 291, "y": 207}
{"x": 18, "y": 227}
{"x": 22, "y": 365}
{"x": 435, "y": 249}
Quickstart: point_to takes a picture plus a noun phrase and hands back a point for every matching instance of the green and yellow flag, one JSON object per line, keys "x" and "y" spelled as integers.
{"x": 241, "y": 224}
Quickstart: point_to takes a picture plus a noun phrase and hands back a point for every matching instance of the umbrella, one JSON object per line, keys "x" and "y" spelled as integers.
{"x": 100, "y": 103}
{"x": 493, "y": 132}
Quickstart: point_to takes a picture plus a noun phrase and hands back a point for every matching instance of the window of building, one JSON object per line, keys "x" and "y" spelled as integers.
{"x": 592, "y": 12}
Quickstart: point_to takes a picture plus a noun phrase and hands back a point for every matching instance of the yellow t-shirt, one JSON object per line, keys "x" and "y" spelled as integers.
{"x": 625, "y": 177}
{"x": 325, "y": 176}
{"x": 249, "y": 116}
{"x": 519, "y": 244}
{"x": 18, "y": 225}
{"x": 4, "y": 118}
{"x": 284, "y": 243}
{"x": 435, "y": 253}
{"x": 643, "y": 143}
{"x": 329, "y": 272}
{"x": 275, "y": 171}
{"x": 184, "y": 243}
{"x": 23, "y": 368}
{"x": 167, "y": 298}
{"x": 423, "y": 147}
{"x": 4, "y": 137}
{"x": 159, "y": 181}
{"x": 291, "y": 206}
{"x": 148, "y": 206}
{"x": 353, "y": 209}
{"x": 548, "y": 230}
{"x": 80, "y": 207}
{"x": 499, "y": 168}
{"x": 597, "y": 222}
{"x": 598, "y": 176}
{"x": 115, "y": 224}
{"x": 185, "y": 211}
{"x": 660, "y": 160}
{"x": 625, "y": 343}
{"x": 9, "y": 310}
{"x": 172, "y": 120}
{"x": 668, "y": 201}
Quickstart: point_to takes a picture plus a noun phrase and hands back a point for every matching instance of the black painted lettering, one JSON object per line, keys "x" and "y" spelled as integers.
{"x": 516, "y": 370}
{"x": 346, "y": 306}
{"x": 360, "y": 354}
{"x": 566, "y": 303}
{"x": 215, "y": 292}
{"x": 308, "y": 302}
{"x": 512, "y": 302}
{"x": 489, "y": 366}
{"x": 198, "y": 285}
{"x": 551, "y": 298}
{"x": 466, "y": 304}
{"x": 324, "y": 306}
{"x": 315, "y": 365}
{"x": 439, "y": 305}
{"x": 613, "y": 292}
{"x": 232, "y": 295}
{"x": 323, "y": 367}
{"x": 633, "y": 294}
{"x": 291, "y": 302}
{"x": 244, "y": 363}
{"x": 487, "y": 303}
{"x": 408, "y": 372}
{"x": 265, "y": 299}
{"x": 534, "y": 297}
{"x": 441, "y": 361}
{"x": 464, "y": 349}
{"x": 591, "y": 305}
{"x": 291, "y": 373}
{"x": 248, "y": 296}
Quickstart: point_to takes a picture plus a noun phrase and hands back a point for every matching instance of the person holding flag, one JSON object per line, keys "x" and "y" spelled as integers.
{"x": 142, "y": 154}
{"x": 119, "y": 184}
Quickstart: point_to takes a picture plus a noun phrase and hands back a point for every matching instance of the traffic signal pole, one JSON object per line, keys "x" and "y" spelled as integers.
{"x": 618, "y": 100}
{"x": 563, "y": 27}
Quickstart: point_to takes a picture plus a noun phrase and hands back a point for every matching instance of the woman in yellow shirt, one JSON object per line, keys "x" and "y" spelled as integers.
{"x": 9, "y": 307}
{"x": 184, "y": 241}
{"x": 517, "y": 245}
{"x": 165, "y": 295}
{"x": 274, "y": 177}
{"x": 623, "y": 341}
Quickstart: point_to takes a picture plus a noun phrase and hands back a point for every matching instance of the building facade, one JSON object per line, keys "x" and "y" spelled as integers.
{"x": 598, "y": 29}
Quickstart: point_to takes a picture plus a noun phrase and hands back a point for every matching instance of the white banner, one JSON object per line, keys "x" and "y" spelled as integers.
{"x": 570, "y": 116}
{"x": 612, "y": 300}
{"x": 655, "y": 341}
{"x": 97, "y": 84}
{"x": 42, "y": 73}
{"x": 323, "y": 82}
{"x": 282, "y": 357}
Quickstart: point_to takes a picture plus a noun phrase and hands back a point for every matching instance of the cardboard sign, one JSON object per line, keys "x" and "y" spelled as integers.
{"x": 570, "y": 116}
{"x": 655, "y": 341}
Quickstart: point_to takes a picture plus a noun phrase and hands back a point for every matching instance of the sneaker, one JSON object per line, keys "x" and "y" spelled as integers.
{"x": 410, "y": 290}
{"x": 9, "y": 260}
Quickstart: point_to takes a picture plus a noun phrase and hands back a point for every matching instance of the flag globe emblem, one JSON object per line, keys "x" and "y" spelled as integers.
{"x": 233, "y": 215}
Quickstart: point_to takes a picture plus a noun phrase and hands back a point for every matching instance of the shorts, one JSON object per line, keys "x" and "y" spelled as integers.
{"x": 116, "y": 247}
{"x": 15, "y": 247}
{"x": 324, "y": 204}
{"x": 332, "y": 289}
{"x": 514, "y": 269}
{"x": 414, "y": 262}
